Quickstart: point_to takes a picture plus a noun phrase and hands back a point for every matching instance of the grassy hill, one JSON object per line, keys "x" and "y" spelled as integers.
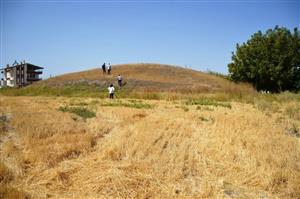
{"x": 150, "y": 77}
{"x": 144, "y": 81}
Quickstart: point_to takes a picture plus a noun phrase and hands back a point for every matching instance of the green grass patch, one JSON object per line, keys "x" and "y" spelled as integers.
{"x": 100, "y": 92}
{"x": 207, "y": 102}
{"x": 130, "y": 104}
{"x": 80, "y": 111}
{"x": 78, "y": 90}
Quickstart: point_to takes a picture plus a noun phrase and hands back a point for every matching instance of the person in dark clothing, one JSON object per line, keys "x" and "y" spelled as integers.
{"x": 104, "y": 68}
{"x": 120, "y": 80}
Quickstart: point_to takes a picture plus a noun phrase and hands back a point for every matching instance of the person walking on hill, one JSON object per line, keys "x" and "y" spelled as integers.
{"x": 104, "y": 68}
{"x": 111, "y": 91}
{"x": 120, "y": 78}
{"x": 108, "y": 69}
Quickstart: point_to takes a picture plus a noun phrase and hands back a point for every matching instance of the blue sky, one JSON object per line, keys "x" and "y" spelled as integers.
{"x": 66, "y": 36}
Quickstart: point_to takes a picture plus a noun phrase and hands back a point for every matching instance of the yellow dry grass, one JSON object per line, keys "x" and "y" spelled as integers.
{"x": 172, "y": 150}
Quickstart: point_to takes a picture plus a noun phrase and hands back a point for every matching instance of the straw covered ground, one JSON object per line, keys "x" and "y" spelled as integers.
{"x": 57, "y": 147}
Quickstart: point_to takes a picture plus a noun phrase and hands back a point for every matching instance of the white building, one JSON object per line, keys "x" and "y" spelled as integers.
{"x": 20, "y": 74}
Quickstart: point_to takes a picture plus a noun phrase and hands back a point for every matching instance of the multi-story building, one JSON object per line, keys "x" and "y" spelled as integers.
{"x": 20, "y": 74}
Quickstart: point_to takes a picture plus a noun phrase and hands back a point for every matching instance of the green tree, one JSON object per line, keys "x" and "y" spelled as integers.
{"x": 269, "y": 61}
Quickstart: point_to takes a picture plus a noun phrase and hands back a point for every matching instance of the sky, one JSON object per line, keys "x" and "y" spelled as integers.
{"x": 73, "y": 35}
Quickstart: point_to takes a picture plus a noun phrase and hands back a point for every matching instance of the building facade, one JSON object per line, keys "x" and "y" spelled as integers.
{"x": 20, "y": 74}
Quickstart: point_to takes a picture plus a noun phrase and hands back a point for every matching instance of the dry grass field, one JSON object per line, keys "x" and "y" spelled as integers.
{"x": 171, "y": 133}
{"x": 59, "y": 147}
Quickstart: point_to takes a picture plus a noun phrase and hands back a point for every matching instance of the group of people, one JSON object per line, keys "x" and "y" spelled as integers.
{"x": 111, "y": 88}
{"x": 108, "y": 68}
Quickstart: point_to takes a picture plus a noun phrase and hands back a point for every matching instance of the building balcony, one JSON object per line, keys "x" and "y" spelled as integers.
{"x": 33, "y": 79}
{"x": 34, "y": 72}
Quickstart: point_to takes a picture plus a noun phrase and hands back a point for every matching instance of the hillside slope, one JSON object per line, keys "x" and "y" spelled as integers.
{"x": 150, "y": 77}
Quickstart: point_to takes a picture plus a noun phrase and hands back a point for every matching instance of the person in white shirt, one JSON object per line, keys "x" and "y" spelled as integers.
{"x": 120, "y": 80}
{"x": 108, "y": 69}
{"x": 111, "y": 91}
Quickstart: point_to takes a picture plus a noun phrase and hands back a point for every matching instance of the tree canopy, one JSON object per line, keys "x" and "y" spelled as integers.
{"x": 269, "y": 61}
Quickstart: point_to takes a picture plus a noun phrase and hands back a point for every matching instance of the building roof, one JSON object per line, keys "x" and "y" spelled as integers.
{"x": 28, "y": 64}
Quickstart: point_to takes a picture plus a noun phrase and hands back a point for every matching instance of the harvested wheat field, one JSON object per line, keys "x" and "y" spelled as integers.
{"x": 56, "y": 147}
